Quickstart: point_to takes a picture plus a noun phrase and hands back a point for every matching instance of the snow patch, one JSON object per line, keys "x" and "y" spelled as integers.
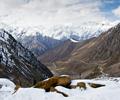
{"x": 110, "y": 91}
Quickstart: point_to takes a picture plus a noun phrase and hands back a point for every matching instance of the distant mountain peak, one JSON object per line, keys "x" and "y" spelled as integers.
{"x": 61, "y": 32}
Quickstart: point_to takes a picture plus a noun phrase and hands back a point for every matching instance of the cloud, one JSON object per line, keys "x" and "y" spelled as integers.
{"x": 117, "y": 11}
{"x": 51, "y": 12}
{"x": 6, "y": 6}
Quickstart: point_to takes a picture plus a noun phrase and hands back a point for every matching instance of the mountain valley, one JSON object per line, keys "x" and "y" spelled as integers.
{"x": 89, "y": 58}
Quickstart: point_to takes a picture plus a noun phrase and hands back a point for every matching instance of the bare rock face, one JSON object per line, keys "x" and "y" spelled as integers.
{"x": 18, "y": 63}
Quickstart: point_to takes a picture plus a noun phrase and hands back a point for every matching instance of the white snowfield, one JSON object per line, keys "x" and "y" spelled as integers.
{"x": 110, "y": 92}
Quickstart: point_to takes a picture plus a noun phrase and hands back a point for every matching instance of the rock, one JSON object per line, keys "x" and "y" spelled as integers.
{"x": 81, "y": 85}
{"x": 16, "y": 88}
{"x": 73, "y": 86}
{"x": 64, "y": 81}
{"x": 47, "y": 84}
{"x": 94, "y": 85}
{"x": 50, "y": 84}
{"x": 52, "y": 89}
{"x": 64, "y": 94}
{"x": 53, "y": 82}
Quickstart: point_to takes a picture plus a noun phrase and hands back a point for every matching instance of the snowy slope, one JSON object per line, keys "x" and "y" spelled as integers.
{"x": 109, "y": 92}
{"x": 6, "y": 88}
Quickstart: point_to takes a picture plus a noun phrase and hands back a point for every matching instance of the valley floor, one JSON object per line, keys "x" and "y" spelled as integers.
{"x": 110, "y": 91}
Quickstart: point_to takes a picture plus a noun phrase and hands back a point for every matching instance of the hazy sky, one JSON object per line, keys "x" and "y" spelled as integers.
{"x": 50, "y": 12}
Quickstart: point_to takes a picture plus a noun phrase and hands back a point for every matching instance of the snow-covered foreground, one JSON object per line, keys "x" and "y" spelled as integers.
{"x": 109, "y": 92}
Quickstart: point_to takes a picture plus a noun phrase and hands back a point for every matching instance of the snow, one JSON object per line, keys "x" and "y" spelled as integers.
{"x": 6, "y": 88}
{"x": 75, "y": 41}
{"x": 110, "y": 91}
{"x": 6, "y": 83}
{"x": 76, "y": 32}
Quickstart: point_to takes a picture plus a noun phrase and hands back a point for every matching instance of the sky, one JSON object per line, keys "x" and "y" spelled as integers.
{"x": 55, "y": 12}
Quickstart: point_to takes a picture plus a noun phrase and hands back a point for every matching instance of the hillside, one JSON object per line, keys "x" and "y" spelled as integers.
{"x": 98, "y": 56}
{"x": 39, "y": 44}
{"x": 62, "y": 51}
{"x": 18, "y": 63}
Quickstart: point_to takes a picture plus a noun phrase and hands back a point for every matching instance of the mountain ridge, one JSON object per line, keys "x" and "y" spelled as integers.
{"x": 47, "y": 38}
{"x": 60, "y": 32}
{"x": 18, "y": 63}
{"x": 98, "y": 56}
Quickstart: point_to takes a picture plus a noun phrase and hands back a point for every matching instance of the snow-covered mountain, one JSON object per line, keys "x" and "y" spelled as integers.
{"x": 39, "y": 39}
{"x": 61, "y": 32}
{"x": 52, "y": 19}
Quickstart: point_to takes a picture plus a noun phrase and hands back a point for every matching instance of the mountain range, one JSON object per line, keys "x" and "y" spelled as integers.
{"x": 89, "y": 58}
{"x": 94, "y": 55}
{"x": 40, "y": 39}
